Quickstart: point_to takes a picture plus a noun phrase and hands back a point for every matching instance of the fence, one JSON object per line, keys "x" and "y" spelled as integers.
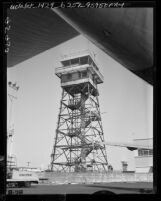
{"x": 79, "y": 178}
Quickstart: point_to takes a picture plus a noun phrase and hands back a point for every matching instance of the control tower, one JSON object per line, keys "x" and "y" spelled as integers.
{"x": 78, "y": 143}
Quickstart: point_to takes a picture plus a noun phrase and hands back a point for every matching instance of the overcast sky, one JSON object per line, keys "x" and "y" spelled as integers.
{"x": 126, "y": 100}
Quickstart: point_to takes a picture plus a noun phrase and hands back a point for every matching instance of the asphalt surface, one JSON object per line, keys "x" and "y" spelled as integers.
{"x": 116, "y": 188}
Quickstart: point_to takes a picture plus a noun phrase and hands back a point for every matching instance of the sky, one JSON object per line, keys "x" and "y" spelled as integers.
{"x": 126, "y": 102}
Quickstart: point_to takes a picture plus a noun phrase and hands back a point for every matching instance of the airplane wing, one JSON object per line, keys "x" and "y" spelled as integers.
{"x": 130, "y": 146}
{"x": 125, "y": 34}
{"x": 34, "y": 31}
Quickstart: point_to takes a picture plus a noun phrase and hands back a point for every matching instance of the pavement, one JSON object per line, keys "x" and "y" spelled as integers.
{"x": 96, "y": 188}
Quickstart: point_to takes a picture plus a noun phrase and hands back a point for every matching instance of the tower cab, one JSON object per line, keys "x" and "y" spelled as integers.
{"x": 78, "y": 69}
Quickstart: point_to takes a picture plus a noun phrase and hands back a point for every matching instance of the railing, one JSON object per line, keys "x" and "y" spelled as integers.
{"x": 77, "y": 54}
{"x": 63, "y": 68}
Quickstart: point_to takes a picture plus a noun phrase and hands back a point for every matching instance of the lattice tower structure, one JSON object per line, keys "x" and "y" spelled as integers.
{"x": 78, "y": 143}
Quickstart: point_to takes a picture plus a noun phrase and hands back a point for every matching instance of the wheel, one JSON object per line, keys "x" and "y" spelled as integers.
{"x": 10, "y": 185}
{"x": 21, "y": 184}
{"x": 27, "y": 184}
{"x": 103, "y": 192}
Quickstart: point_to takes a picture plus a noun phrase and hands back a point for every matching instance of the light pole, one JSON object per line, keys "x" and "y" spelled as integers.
{"x": 28, "y": 163}
{"x": 12, "y": 96}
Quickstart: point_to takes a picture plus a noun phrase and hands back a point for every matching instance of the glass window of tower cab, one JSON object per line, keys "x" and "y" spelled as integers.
{"x": 79, "y": 68}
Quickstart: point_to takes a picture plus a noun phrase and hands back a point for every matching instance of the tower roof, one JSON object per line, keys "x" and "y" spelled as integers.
{"x": 78, "y": 54}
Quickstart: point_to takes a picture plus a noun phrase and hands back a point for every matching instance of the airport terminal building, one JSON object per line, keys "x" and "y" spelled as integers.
{"x": 144, "y": 157}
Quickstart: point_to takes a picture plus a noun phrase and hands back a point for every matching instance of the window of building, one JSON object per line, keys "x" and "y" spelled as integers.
{"x": 145, "y": 152}
{"x": 75, "y": 62}
{"x": 79, "y": 74}
{"x": 84, "y": 74}
{"x": 69, "y": 76}
{"x": 90, "y": 60}
{"x": 84, "y": 60}
{"x": 150, "y": 152}
{"x": 66, "y": 63}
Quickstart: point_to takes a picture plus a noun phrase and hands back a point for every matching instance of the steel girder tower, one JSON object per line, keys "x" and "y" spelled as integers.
{"x": 78, "y": 144}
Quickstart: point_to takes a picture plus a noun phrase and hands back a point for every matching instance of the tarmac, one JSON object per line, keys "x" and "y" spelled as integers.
{"x": 95, "y": 188}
